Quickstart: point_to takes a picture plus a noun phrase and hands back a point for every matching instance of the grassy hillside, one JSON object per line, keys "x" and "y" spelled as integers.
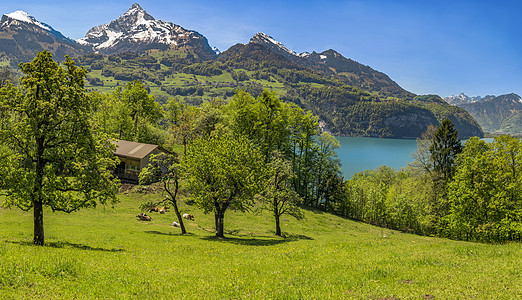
{"x": 107, "y": 253}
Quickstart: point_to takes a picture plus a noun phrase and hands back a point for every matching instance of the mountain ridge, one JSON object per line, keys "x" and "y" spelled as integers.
{"x": 331, "y": 62}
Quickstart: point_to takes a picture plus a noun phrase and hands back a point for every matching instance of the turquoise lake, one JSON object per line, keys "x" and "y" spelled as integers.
{"x": 358, "y": 154}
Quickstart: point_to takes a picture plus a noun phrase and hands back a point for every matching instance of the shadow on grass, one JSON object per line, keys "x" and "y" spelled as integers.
{"x": 62, "y": 244}
{"x": 169, "y": 234}
{"x": 257, "y": 241}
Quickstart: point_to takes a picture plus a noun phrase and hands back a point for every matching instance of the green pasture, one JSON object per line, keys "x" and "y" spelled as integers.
{"x": 106, "y": 253}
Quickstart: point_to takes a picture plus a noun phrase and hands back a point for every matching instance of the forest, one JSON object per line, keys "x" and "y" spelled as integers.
{"x": 245, "y": 153}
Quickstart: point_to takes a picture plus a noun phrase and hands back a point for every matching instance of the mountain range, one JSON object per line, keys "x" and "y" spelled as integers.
{"x": 349, "y": 98}
{"x": 462, "y": 98}
{"x": 497, "y": 114}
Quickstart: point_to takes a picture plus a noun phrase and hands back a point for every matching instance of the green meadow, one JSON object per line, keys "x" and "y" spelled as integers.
{"x": 106, "y": 253}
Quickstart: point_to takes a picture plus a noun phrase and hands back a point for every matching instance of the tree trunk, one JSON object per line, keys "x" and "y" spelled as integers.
{"x": 38, "y": 223}
{"x": 220, "y": 221}
{"x": 38, "y": 238}
{"x": 166, "y": 186}
{"x": 278, "y": 226}
{"x": 180, "y": 218}
{"x": 277, "y": 216}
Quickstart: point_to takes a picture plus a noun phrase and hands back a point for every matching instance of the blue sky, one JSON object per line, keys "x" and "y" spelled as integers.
{"x": 427, "y": 47}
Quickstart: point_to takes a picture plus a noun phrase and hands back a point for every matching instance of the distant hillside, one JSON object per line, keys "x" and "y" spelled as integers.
{"x": 501, "y": 114}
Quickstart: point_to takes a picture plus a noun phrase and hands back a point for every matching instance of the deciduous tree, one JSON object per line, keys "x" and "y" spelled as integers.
{"x": 223, "y": 171}
{"x": 56, "y": 156}
{"x": 165, "y": 168}
{"x": 277, "y": 195}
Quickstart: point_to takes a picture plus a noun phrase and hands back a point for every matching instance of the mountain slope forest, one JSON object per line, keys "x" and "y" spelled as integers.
{"x": 349, "y": 98}
{"x": 342, "y": 108}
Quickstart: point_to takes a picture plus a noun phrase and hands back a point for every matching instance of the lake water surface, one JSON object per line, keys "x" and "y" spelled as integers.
{"x": 358, "y": 153}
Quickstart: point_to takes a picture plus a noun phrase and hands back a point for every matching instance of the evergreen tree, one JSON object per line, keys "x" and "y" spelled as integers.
{"x": 445, "y": 146}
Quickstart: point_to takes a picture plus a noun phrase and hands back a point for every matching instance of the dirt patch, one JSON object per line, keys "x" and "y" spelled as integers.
{"x": 407, "y": 281}
{"x": 126, "y": 188}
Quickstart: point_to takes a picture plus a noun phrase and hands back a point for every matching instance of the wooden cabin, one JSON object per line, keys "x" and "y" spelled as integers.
{"x": 133, "y": 158}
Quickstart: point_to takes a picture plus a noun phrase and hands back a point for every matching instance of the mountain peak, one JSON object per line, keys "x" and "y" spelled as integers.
{"x": 136, "y": 6}
{"x": 136, "y": 15}
{"x": 270, "y": 42}
{"x": 23, "y": 16}
{"x": 136, "y": 31}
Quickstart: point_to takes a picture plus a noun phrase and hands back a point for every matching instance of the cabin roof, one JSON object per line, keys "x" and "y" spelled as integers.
{"x": 133, "y": 149}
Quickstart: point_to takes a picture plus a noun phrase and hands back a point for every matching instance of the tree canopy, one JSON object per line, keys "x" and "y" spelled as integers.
{"x": 56, "y": 156}
{"x": 223, "y": 171}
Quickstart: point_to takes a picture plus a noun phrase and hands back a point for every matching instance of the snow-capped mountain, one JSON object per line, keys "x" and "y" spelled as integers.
{"x": 14, "y": 19}
{"x": 332, "y": 62}
{"x": 272, "y": 44}
{"x": 501, "y": 114}
{"x": 136, "y": 30}
{"x": 464, "y": 99}
{"x": 22, "y": 36}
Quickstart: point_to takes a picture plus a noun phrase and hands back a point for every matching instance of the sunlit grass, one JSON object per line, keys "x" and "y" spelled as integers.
{"x": 107, "y": 253}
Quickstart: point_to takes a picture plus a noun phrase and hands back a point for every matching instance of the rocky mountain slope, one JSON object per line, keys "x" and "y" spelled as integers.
{"x": 22, "y": 36}
{"x": 137, "y": 31}
{"x": 501, "y": 114}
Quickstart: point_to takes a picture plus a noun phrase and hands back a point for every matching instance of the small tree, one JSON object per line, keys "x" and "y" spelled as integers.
{"x": 422, "y": 157}
{"x": 164, "y": 167}
{"x": 445, "y": 145}
{"x": 278, "y": 196}
{"x": 223, "y": 171}
{"x": 56, "y": 156}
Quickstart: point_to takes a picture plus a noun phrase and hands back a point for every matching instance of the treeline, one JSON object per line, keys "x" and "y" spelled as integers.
{"x": 468, "y": 193}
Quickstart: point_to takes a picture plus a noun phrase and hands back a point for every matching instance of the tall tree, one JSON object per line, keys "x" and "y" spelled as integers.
{"x": 422, "y": 156}
{"x": 223, "y": 171}
{"x": 328, "y": 169}
{"x": 277, "y": 195}
{"x": 56, "y": 156}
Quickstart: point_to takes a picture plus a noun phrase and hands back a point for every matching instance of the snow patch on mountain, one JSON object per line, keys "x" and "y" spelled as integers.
{"x": 136, "y": 26}
{"x": 262, "y": 38}
{"x": 462, "y": 98}
{"x": 22, "y": 16}
{"x": 216, "y": 50}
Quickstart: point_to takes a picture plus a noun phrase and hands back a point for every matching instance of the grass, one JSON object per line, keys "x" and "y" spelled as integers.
{"x": 108, "y": 253}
